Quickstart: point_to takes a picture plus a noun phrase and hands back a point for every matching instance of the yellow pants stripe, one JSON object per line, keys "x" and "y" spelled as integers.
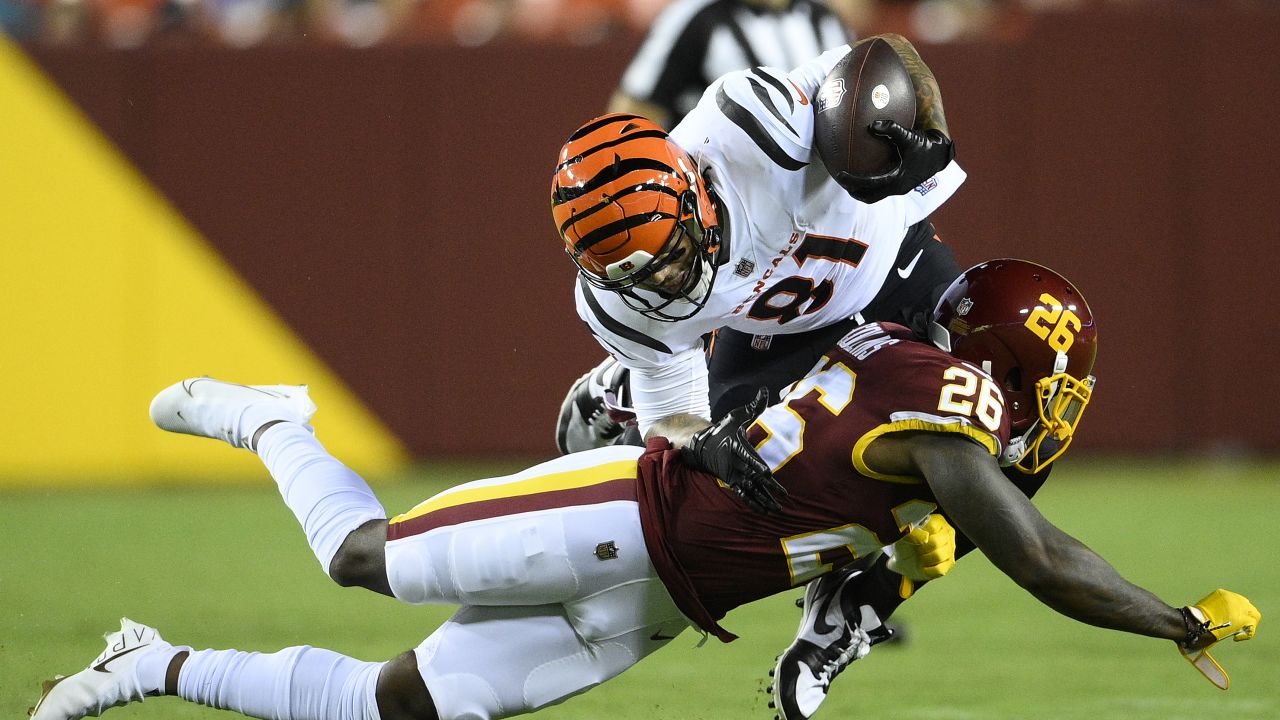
{"x": 518, "y": 486}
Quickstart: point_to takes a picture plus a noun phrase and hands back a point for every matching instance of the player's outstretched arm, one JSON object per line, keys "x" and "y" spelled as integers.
{"x": 1058, "y": 569}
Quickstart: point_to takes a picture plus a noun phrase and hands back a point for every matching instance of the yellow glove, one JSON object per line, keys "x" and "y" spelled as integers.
{"x": 924, "y": 553}
{"x": 1220, "y": 615}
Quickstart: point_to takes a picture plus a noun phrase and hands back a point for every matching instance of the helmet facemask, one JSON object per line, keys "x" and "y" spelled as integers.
{"x": 1060, "y": 400}
{"x": 630, "y": 276}
{"x": 631, "y": 207}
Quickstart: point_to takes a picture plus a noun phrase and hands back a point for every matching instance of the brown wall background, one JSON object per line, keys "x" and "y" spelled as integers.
{"x": 392, "y": 204}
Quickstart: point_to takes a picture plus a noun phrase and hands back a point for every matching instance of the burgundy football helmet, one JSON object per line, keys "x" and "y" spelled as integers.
{"x": 1031, "y": 330}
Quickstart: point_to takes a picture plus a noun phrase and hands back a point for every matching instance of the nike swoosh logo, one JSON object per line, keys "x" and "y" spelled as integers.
{"x": 659, "y": 637}
{"x": 804, "y": 100}
{"x": 820, "y": 625}
{"x": 102, "y": 666}
{"x": 905, "y": 272}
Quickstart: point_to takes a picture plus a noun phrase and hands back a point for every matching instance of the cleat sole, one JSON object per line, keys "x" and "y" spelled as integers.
{"x": 46, "y": 687}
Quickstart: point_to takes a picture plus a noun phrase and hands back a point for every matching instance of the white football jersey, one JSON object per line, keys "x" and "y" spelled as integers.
{"x": 802, "y": 253}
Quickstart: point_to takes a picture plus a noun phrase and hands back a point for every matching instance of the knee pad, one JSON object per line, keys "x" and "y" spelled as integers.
{"x": 508, "y": 561}
{"x": 462, "y": 696}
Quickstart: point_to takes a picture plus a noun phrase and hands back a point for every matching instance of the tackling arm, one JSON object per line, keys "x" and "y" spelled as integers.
{"x": 1057, "y": 569}
{"x": 723, "y": 450}
{"x": 671, "y": 401}
{"x": 678, "y": 429}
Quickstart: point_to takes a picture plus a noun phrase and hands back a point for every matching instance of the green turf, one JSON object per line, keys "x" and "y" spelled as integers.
{"x": 228, "y": 568}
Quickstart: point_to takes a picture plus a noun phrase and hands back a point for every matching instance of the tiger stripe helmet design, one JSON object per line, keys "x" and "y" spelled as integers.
{"x": 623, "y": 198}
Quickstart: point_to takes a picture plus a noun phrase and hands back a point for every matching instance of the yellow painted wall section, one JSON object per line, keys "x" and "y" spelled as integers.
{"x": 108, "y": 295}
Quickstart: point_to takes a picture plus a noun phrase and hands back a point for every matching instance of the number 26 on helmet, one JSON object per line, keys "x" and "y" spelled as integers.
{"x": 1032, "y": 331}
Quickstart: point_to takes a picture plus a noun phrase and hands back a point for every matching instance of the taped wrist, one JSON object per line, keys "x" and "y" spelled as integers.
{"x": 1198, "y": 634}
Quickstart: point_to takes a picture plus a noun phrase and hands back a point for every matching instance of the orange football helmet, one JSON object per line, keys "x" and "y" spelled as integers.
{"x": 623, "y": 197}
{"x": 1031, "y": 330}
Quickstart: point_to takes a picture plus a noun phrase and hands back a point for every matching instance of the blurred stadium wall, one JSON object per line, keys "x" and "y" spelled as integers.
{"x": 109, "y": 295}
{"x": 378, "y": 222}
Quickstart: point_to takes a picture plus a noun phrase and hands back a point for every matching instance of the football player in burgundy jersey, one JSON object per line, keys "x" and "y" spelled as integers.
{"x": 570, "y": 572}
{"x": 732, "y": 225}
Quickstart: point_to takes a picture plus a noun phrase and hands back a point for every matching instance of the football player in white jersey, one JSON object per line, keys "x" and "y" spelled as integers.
{"x": 733, "y": 222}
{"x": 732, "y": 225}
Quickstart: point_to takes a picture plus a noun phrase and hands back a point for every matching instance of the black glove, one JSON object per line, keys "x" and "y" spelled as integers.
{"x": 723, "y": 451}
{"x": 923, "y": 155}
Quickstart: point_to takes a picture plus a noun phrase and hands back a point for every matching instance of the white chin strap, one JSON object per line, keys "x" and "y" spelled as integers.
{"x": 939, "y": 336}
{"x": 628, "y": 265}
{"x": 703, "y": 286}
{"x": 1018, "y": 446}
{"x": 1016, "y": 449}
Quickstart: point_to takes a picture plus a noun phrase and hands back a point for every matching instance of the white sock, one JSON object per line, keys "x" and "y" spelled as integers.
{"x": 328, "y": 499}
{"x": 297, "y": 683}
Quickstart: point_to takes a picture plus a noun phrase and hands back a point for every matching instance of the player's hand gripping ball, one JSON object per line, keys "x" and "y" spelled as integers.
{"x": 863, "y": 119}
{"x": 870, "y": 83}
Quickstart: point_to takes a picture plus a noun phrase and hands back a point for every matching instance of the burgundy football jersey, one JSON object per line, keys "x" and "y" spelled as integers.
{"x": 715, "y": 554}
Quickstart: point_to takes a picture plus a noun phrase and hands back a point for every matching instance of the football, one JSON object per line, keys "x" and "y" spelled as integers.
{"x": 870, "y": 83}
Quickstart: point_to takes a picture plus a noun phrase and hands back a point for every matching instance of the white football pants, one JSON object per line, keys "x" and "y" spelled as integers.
{"x": 556, "y": 585}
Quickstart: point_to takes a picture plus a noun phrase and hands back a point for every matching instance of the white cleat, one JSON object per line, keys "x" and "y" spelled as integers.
{"x": 110, "y": 680}
{"x": 594, "y": 412}
{"x": 211, "y": 408}
{"x": 835, "y": 630}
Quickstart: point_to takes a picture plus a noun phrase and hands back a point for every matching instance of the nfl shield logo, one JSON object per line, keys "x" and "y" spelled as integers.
{"x": 830, "y": 94}
{"x": 924, "y": 187}
{"x": 761, "y": 342}
{"x": 607, "y": 550}
{"x": 964, "y": 307}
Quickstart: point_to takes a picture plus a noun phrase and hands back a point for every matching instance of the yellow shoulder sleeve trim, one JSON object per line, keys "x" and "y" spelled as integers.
{"x": 983, "y": 438}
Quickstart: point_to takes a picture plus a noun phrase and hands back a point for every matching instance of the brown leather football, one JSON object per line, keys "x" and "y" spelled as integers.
{"x": 870, "y": 83}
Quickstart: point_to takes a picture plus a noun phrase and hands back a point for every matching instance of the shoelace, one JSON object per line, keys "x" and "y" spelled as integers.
{"x": 856, "y": 650}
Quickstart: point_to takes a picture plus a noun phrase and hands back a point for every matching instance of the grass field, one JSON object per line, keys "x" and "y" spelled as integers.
{"x": 227, "y": 567}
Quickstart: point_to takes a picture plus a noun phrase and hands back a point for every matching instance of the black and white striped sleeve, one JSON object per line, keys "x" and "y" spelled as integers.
{"x": 772, "y": 112}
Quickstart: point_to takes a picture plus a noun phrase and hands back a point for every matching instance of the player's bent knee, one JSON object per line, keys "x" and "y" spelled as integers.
{"x": 361, "y": 561}
{"x": 401, "y": 693}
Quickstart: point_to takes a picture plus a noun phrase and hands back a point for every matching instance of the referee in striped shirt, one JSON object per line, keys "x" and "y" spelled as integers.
{"x": 693, "y": 42}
